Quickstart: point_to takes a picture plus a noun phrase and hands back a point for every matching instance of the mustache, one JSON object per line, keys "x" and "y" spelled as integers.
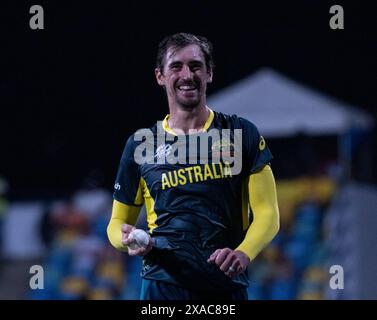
{"x": 189, "y": 83}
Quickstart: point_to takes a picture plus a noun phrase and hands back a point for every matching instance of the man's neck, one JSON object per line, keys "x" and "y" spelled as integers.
{"x": 188, "y": 120}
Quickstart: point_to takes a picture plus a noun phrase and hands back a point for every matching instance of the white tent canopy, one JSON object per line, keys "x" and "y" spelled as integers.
{"x": 279, "y": 107}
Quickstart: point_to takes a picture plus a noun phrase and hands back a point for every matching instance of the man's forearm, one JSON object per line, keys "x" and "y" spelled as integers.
{"x": 263, "y": 201}
{"x": 121, "y": 214}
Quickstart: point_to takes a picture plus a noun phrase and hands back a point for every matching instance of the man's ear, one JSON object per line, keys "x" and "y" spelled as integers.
{"x": 159, "y": 77}
{"x": 210, "y": 76}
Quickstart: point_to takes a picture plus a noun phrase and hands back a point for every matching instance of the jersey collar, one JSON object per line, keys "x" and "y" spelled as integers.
{"x": 207, "y": 124}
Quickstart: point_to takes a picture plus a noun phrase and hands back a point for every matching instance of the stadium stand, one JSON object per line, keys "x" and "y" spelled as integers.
{"x": 80, "y": 263}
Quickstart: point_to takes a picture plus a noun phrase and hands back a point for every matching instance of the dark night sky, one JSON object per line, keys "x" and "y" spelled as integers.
{"x": 71, "y": 94}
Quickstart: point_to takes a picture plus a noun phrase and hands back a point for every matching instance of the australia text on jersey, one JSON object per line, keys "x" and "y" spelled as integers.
{"x": 195, "y": 174}
{"x": 215, "y": 147}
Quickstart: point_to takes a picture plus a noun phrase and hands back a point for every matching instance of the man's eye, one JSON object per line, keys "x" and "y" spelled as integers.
{"x": 196, "y": 67}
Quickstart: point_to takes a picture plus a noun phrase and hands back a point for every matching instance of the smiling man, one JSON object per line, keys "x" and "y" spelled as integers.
{"x": 184, "y": 72}
{"x": 206, "y": 221}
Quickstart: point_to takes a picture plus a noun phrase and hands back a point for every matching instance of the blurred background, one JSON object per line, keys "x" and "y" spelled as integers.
{"x": 72, "y": 94}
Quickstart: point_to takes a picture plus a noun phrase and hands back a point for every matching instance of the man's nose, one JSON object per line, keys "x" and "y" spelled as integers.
{"x": 186, "y": 73}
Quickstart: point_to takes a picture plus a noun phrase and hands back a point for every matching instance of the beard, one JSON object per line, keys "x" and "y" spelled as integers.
{"x": 190, "y": 103}
{"x": 189, "y": 99}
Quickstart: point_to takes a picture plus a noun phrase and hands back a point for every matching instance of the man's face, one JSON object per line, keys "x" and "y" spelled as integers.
{"x": 185, "y": 76}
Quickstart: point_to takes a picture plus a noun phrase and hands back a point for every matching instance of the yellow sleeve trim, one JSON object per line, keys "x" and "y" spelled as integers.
{"x": 263, "y": 202}
{"x": 149, "y": 207}
{"x": 121, "y": 214}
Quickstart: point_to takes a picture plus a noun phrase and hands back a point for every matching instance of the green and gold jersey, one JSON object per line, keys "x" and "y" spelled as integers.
{"x": 195, "y": 191}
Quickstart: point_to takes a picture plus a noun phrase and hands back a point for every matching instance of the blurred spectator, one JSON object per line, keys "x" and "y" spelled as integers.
{"x": 3, "y": 204}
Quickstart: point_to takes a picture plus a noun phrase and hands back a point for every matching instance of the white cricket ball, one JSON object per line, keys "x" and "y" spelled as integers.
{"x": 140, "y": 237}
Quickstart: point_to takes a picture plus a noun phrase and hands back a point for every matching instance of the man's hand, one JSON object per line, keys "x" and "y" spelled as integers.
{"x": 231, "y": 262}
{"x": 126, "y": 230}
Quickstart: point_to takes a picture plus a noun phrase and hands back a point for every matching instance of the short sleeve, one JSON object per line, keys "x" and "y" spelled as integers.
{"x": 127, "y": 184}
{"x": 255, "y": 150}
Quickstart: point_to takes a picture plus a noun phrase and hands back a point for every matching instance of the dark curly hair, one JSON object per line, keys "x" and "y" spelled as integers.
{"x": 180, "y": 40}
